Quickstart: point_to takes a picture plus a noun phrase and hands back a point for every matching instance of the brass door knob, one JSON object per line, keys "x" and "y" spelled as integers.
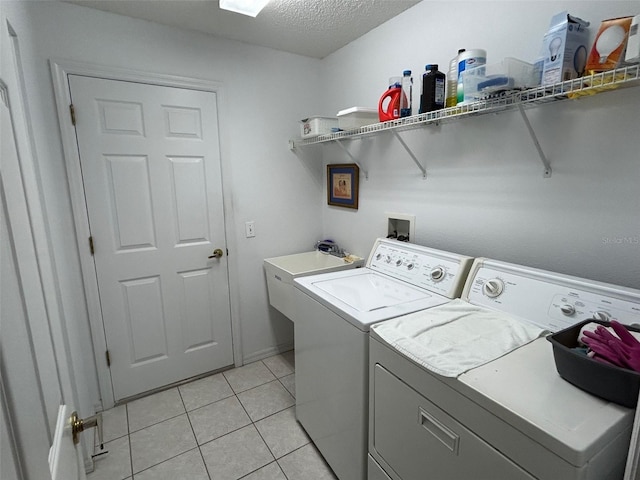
{"x": 217, "y": 253}
{"x": 79, "y": 425}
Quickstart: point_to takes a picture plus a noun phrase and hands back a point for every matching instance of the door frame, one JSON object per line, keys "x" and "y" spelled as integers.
{"x": 60, "y": 69}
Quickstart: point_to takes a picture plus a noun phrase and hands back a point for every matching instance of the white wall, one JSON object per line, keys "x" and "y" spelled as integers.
{"x": 265, "y": 93}
{"x": 485, "y": 194}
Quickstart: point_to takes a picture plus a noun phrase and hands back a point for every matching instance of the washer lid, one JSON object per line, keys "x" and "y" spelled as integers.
{"x": 363, "y": 297}
{"x": 370, "y": 291}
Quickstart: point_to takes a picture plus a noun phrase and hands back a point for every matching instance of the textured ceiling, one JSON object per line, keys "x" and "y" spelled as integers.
{"x": 314, "y": 28}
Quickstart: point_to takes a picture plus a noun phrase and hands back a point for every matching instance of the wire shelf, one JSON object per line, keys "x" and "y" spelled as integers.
{"x": 570, "y": 89}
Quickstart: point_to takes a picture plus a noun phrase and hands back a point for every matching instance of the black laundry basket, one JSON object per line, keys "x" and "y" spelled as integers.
{"x": 618, "y": 385}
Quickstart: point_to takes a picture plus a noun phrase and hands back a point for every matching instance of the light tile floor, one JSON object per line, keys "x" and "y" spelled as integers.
{"x": 239, "y": 424}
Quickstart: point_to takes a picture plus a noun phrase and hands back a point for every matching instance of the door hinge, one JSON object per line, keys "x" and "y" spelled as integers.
{"x": 72, "y": 110}
{"x": 227, "y": 251}
{"x": 91, "y": 249}
{"x": 108, "y": 355}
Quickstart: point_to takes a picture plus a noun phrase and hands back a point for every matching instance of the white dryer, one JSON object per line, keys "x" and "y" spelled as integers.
{"x": 335, "y": 311}
{"x": 512, "y": 418}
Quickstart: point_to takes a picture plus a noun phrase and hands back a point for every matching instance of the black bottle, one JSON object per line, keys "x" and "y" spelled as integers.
{"x": 433, "y": 83}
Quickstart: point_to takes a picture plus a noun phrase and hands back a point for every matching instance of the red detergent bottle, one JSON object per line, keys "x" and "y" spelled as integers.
{"x": 389, "y": 104}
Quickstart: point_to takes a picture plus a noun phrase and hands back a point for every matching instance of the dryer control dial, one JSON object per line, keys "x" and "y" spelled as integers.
{"x": 602, "y": 316}
{"x": 437, "y": 274}
{"x": 493, "y": 288}
{"x": 568, "y": 309}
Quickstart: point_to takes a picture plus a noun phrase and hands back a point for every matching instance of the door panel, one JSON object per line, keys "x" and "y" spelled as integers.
{"x": 130, "y": 201}
{"x": 151, "y": 170}
{"x": 145, "y": 320}
{"x": 30, "y": 366}
{"x": 188, "y": 191}
{"x": 198, "y": 332}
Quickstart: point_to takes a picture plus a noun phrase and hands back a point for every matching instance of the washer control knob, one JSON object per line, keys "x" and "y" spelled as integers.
{"x": 437, "y": 274}
{"x": 493, "y": 288}
{"x": 378, "y": 256}
{"x": 568, "y": 309}
{"x": 388, "y": 259}
{"x": 411, "y": 266}
{"x": 602, "y": 316}
{"x": 398, "y": 262}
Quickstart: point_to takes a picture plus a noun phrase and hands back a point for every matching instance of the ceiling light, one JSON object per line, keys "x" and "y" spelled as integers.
{"x": 245, "y": 7}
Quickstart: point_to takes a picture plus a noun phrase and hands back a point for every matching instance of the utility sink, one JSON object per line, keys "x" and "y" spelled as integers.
{"x": 282, "y": 270}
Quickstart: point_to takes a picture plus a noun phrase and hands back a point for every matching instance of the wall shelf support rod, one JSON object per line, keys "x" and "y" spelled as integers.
{"x": 543, "y": 158}
{"x": 410, "y": 152}
{"x": 346, "y": 150}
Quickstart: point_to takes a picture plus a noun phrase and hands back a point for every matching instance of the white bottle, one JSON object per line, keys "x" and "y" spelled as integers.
{"x": 466, "y": 60}
{"x": 407, "y": 94}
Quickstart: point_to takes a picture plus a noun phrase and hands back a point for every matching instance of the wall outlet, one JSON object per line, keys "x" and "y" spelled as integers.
{"x": 250, "y": 229}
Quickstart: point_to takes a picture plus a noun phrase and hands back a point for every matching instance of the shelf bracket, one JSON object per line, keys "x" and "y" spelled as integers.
{"x": 346, "y": 150}
{"x": 543, "y": 158}
{"x": 410, "y": 152}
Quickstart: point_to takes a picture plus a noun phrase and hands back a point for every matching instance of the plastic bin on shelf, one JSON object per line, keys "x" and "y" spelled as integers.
{"x": 356, "y": 117}
{"x": 314, "y": 126}
{"x": 489, "y": 81}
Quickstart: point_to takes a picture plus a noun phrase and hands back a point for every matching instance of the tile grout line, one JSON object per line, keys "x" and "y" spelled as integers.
{"x": 129, "y": 440}
{"x": 159, "y": 421}
{"x": 275, "y": 459}
{"x": 244, "y": 426}
{"x": 181, "y": 453}
{"x": 171, "y": 458}
{"x": 206, "y": 468}
{"x": 254, "y": 423}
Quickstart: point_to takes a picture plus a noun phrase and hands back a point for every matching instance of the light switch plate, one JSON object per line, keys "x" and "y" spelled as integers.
{"x": 250, "y": 229}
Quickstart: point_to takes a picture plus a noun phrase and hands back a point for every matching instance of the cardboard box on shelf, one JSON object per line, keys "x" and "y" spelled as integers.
{"x": 564, "y": 49}
{"x": 608, "y": 50}
{"x": 633, "y": 44}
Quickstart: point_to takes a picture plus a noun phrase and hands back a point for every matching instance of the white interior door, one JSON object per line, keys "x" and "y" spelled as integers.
{"x": 33, "y": 399}
{"x": 150, "y": 163}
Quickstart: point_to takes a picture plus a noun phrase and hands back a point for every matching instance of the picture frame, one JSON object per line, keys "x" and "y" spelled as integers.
{"x": 342, "y": 185}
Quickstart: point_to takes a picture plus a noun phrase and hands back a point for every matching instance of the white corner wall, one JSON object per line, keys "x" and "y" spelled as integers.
{"x": 266, "y": 92}
{"x": 485, "y": 194}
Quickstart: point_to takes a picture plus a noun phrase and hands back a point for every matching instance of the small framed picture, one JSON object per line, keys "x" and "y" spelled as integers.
{"x": 342, "y": 185}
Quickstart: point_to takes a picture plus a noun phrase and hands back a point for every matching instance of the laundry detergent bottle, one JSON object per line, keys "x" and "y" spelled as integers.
{"x": 389, "y": 104}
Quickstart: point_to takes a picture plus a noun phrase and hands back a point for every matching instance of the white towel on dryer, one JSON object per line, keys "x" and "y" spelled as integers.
{"x": 456, "y": 337}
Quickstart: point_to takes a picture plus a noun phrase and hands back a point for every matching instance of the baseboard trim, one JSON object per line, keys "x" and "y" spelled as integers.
{"x": 267, "y": 352}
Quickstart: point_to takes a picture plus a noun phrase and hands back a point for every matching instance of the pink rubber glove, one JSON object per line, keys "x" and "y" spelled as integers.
{"x": 623, "y": 350}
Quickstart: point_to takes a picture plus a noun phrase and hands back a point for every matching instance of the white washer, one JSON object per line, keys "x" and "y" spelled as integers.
{"x": 512, "y": 418}
{"x": 335, "y": 311}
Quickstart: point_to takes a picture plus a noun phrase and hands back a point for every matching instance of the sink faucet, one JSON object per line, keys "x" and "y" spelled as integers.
{"x": 329, "y": 247}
